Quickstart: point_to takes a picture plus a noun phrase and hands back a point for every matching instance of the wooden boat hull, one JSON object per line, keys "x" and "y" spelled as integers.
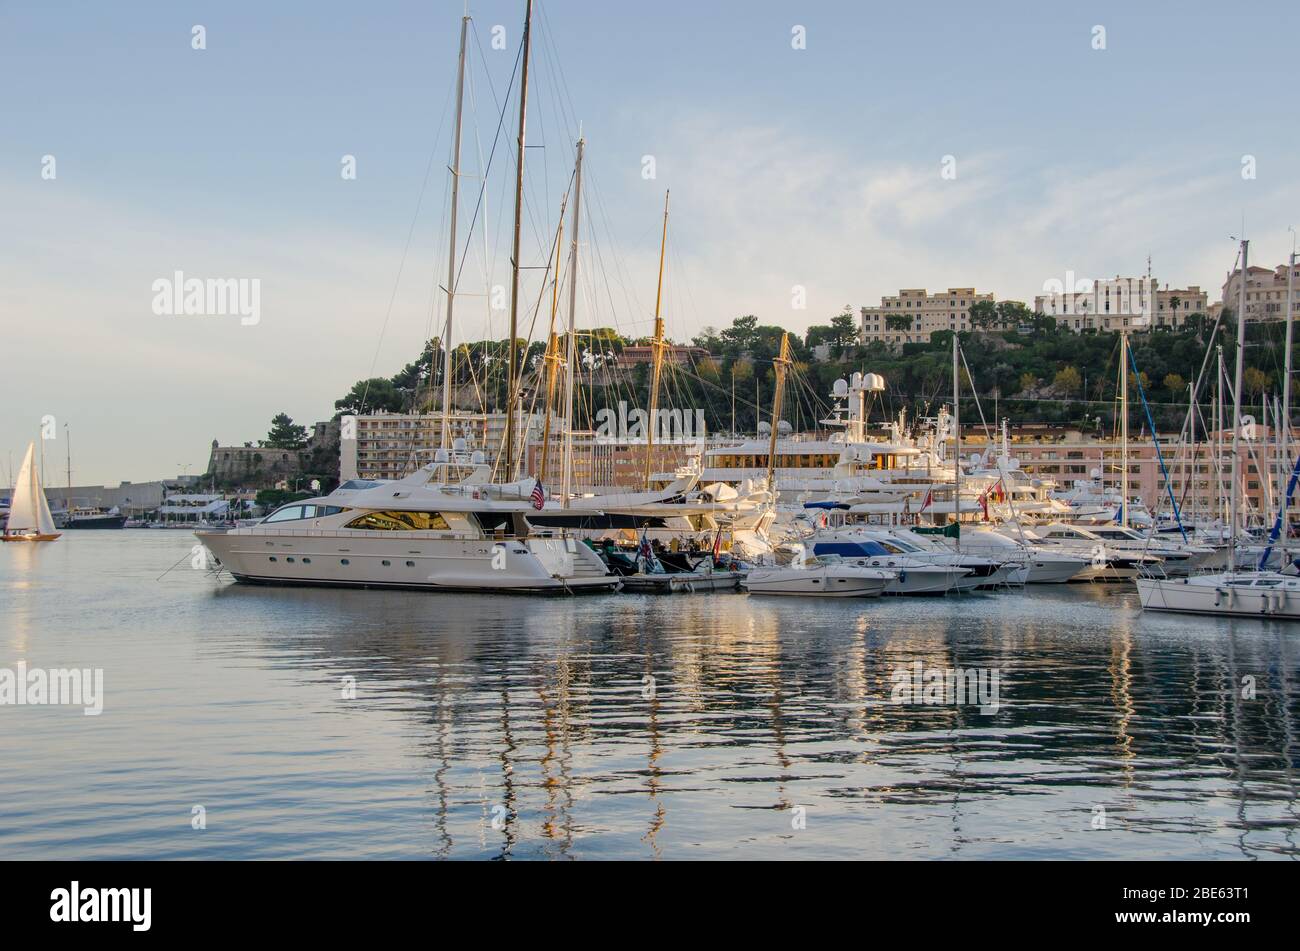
{"x": 35, "y": 537}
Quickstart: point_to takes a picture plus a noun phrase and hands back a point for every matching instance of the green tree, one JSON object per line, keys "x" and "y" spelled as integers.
{"x": 284, "y": 434}
{"x": 983, "y": 315}
{"x": 1254, "y": 380}
{"x": 1027, "y": 382}
{"x": 845, "y": 330}
{"x": 740, "y": 336}
{"x": 1175, "y": 384}
{"x": 369, "y": 396}
{"x": 1068, "y": 381}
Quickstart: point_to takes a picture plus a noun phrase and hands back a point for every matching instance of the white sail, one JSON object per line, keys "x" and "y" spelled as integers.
{"x": 28, "y": 509}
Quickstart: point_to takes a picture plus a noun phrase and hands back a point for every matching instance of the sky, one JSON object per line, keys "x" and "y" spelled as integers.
{"x": 805, "y": 166}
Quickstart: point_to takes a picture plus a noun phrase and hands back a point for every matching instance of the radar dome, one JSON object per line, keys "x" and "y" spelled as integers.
{"x": 841, "y": 388}
{"x": 874, "y": 382}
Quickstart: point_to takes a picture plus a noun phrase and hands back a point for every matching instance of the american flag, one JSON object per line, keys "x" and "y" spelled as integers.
{"x": 538, "y": 498}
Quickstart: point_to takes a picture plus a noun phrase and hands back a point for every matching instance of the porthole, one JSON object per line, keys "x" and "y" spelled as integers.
{"x": 410, "y": 564}
{"x": 306, "y": 561}
{"x": 289, "y": 559}
{"x": 273, "y": 558}
{"x": 385, "y": 562}
{"x": 344, "y": 561}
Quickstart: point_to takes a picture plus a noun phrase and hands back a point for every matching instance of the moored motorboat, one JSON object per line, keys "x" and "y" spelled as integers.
{"x": 826, "y": 576}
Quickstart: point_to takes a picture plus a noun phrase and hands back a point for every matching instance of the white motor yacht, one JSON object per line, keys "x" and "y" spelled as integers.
{"x": 415, "y": 533}
{"x": 826, "y": 576}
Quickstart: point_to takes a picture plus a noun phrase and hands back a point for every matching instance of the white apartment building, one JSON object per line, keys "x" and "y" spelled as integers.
{"x": 1122, "y": 303}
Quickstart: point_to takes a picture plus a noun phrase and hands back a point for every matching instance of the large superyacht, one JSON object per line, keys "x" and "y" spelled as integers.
{"x": 420, "y": 532}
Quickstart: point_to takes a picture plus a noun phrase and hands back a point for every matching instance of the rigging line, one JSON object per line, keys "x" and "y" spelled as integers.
{"x": 478, "y": 203}
{"x": 410, "y": 233}
{"x": 971, "y": 377}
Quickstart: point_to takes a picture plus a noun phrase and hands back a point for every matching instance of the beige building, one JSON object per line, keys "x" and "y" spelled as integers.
{"x": 1066, "y": 455}
{"x": 912, "y": 315}
{"x": 1123, "y": 303}
{"x": 392, "y": 445}
{"x": 1265, "y": 292}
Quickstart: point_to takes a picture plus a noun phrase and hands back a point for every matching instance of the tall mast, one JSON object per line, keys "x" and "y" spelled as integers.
{"x": 509, "y": 469}
{"x": 67, "y": 439}
{"x": 657, "y": 351}
{"x": 1123, "y": 430}
{"x": 569, "y": 365}
{"x": 454, "y": 168}
{"x": 552, "y": 359}
{"x": 1284, "y": 429}
{"x": 779, "y": 365}
{"x": 1236, "y": 398}
{"x": 956, "y": 451}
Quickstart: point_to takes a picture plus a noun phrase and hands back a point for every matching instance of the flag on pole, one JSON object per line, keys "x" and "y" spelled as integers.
{"x": 984, "y": 503}
{"x": 928, "y": 500}
{"x": 717, "y": 544}
{"x": 538, "y": 497}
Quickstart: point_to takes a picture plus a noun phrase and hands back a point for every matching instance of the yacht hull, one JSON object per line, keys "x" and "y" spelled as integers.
{"x": 1213, "y": 595}
{"x": 360, "y": 560}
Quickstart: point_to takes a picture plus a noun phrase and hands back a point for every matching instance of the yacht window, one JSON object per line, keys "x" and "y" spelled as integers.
{"x": 393, "y": 521}
{"x": 288, "y": 513}
{"x": 492, "y": 522}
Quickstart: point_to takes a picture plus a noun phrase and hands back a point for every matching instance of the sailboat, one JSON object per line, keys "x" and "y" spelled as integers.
{"x": 1269, "y": 594}
{"x": 29, "y": 513}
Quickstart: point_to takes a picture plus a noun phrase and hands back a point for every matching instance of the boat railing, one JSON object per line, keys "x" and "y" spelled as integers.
{"x": 415, "y": 534}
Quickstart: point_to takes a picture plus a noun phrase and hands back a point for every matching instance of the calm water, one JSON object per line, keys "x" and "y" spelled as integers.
{"x": 487, "y": 727}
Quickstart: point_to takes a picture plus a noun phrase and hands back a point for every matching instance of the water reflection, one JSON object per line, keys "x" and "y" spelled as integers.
{"x": 702, "y": 722}
{"x": 670, "y": 727}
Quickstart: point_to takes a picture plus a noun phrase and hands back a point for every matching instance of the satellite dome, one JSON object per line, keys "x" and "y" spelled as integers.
{"x": 458, "y": 444}
{"x": 874, "y": 382}
{"x": 784, "y": 427}
{"x": 441, "y": 456}
{"x": 477, "y": 458}
{"x": 764, "y": 427}
{"x": 841, "y": 388}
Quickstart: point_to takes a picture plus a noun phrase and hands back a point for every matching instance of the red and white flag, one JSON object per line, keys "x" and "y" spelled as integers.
{"x": 927, "y": 501}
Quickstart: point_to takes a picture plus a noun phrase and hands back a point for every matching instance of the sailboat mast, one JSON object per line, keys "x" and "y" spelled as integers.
{"x": 454, "y": 168}
{"x": 779, "y": 365}
{"x": 552, "y": 358}
{"x": 1123, "y": 430}
{"x": 656, "y": 351}
{"x": 67, "y": 439}
{"x": 1236, "y": 399}
{"x": 956, "y": 429}
{"x": 1284, "y": 427}
{"x": 511, "y": 370}
{"x": 570, "y": 363}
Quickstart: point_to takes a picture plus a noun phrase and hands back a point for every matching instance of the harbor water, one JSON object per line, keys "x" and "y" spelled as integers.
{"x": 248, "y": 722}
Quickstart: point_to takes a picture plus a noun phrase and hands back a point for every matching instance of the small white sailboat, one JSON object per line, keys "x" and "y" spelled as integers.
{"x": 29, "y": 514}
